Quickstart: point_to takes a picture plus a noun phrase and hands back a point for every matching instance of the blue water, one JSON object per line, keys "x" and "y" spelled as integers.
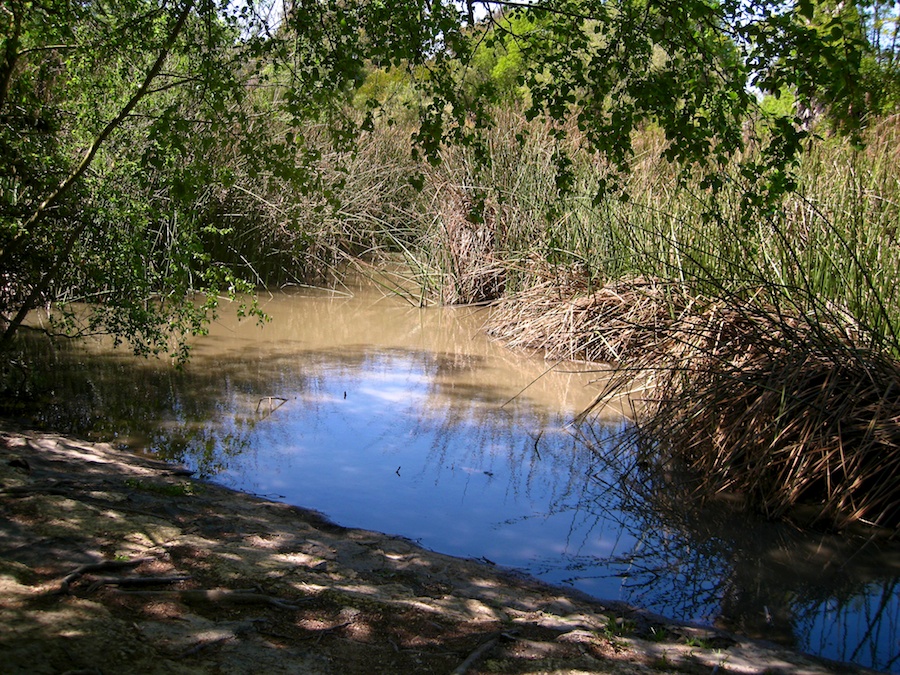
{"x": 410, "y": 422}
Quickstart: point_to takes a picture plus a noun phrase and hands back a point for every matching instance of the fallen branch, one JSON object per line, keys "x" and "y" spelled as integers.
{"x": 134, "y": 581}
{"x": 139, "y": 581}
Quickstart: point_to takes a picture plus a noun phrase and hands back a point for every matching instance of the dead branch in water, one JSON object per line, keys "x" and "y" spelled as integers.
{"x": 272, "y": 404}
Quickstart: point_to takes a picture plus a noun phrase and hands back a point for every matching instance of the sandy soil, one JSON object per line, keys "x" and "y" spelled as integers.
{"x": 113, "y": 563}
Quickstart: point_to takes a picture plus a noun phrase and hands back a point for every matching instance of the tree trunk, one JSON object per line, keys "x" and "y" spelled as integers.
{"x": 41, "y": 287}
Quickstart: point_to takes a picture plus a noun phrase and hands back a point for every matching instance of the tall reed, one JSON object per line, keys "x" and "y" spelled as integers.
{"x": 761, "y": 344}
{"x": 766, "y": 347}
{"x": 356, "y": 201}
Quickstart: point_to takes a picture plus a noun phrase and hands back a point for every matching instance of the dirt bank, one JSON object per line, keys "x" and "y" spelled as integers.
{"x": 115, "y": 563}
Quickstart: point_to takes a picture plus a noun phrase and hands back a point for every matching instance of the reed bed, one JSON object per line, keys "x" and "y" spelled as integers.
{"x": 744, "y": 399}
{"x": 469, "y": 230}
{"x": 779, "y": 411}
{"x": 761, "y": 346}
{"x": 565, "y": 320}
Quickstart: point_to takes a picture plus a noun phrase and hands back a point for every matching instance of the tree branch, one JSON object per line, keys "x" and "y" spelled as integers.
{"x": 10, "y": 56}
{"x": 53, "y": 198}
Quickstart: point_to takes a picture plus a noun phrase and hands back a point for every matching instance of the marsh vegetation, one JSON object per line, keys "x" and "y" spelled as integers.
{"x": 702, "y": 202}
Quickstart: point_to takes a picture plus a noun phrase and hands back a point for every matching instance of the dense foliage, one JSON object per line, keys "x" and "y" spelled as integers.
{"x": 126, "y": 131}
{"x": 158, "y": 155}
{"x": 143, "y": 143}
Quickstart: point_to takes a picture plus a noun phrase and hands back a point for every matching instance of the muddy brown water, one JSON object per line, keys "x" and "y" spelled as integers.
{"x": 409, "y": 421}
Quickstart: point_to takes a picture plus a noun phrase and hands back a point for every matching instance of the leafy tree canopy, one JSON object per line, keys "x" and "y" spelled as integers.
{"x": 120, "y": 121}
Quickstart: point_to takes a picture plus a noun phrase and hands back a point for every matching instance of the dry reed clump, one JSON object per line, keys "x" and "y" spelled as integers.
{"x": 779, "y": 410}
{"x": 782, "y": 413}
{"x": 566, "y": 319}
{"x": 469, "y": 230}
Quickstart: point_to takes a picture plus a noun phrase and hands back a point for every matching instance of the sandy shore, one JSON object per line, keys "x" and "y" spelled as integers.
{"x": 113, "y": 563}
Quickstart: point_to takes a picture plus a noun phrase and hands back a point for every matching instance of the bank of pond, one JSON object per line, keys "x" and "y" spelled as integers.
{"x": 413, "y": 422}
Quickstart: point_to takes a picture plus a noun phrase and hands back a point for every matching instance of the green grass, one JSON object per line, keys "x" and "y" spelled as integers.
{"x": 179, "y": 489}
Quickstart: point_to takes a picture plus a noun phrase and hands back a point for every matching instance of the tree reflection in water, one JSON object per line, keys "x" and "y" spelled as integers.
{"x": 482, "y": 475}
{"x": 835, "y": 595}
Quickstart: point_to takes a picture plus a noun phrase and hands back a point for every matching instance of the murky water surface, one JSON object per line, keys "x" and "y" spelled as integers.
{"x": 409, "y": 421}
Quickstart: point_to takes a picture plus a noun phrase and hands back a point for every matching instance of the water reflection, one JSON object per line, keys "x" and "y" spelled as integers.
{"x": 408, "y": 421}
{"x": 823, "y": 593}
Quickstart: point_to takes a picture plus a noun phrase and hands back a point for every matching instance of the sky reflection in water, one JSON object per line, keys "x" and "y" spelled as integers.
{"x": 461, "y": 476}
{"x": 408, "y": 422}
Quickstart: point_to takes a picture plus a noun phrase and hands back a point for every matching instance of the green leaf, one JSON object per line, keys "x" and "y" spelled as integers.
{"x": 806, "y": 9}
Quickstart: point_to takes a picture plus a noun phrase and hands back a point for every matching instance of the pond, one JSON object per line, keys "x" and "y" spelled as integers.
{"x": 410, "y": 421}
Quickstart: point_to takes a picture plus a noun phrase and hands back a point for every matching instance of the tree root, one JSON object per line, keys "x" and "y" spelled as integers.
{"x": 481, "y": 652}
{"x": 219, "y": 596}
{"x": 200, "y": 646}
{"x": 239, "y": 631}
{"x": 102, "y": 566}
{"x": 62, "y": 489}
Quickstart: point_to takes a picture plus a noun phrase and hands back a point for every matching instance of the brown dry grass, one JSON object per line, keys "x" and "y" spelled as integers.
{"x": 567, "y": 319}
{"x": 751, "y": 401}
{"x": 469, "y": 230}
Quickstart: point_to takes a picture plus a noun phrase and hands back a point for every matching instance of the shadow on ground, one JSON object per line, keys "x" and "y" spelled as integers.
{"x": 110, "y": 561}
